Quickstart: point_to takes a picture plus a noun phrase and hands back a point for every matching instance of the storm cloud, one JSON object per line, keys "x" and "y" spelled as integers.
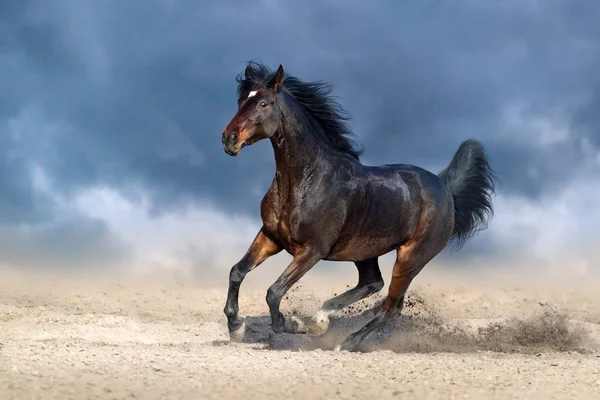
{"x": 131, "y": 98}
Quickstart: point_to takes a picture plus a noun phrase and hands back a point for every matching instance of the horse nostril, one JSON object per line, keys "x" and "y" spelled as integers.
{"x": 230, "y": 139}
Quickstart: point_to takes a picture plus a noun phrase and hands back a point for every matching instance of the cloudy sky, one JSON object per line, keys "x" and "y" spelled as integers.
{"x": 111, "y": 114}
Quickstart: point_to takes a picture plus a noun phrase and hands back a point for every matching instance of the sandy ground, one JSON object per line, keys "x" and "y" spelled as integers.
{"x": 79, "y": 338}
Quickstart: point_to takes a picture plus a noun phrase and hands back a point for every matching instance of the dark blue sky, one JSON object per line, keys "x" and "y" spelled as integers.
{"x": 113, "y": 102}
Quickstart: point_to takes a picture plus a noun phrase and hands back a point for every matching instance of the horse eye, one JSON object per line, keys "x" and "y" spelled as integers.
{"x": 263, "y": 104}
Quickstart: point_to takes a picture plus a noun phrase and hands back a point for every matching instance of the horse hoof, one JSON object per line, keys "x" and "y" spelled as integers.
{"x": 238, "y": 334}
{"x": 320, "y": 324}
{"x": 349, "y": 344}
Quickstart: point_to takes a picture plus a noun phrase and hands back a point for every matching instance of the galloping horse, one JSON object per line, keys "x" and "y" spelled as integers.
{"x": 324, "y": 204}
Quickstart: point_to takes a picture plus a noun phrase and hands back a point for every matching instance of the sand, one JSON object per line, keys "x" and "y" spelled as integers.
{"x": 84, "y": 337}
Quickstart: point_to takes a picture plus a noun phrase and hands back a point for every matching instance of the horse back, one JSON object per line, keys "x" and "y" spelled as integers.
{"x": 385, "y": 210}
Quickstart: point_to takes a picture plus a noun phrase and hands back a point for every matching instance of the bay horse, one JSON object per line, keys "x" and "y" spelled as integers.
{"x": 324, "y": 204}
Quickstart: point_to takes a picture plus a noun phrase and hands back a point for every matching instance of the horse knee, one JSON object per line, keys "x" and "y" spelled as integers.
{"x": 236, "y": 275}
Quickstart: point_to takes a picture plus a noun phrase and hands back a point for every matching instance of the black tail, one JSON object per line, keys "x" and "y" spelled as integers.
{"x": 472, "y": 183}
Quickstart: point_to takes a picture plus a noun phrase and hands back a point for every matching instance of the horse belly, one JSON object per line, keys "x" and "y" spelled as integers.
{"x": 359, "y": 248}
{"x": 378, "y": 232}
{"x": 359, "y": 245}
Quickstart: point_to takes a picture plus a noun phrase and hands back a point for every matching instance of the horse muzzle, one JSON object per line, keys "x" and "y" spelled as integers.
{"x": 231, "y": 143}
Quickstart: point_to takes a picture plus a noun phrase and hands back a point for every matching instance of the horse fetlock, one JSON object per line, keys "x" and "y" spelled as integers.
{"x": 230, "y": 311}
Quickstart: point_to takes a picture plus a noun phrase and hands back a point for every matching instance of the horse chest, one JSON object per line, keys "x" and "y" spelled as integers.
{"x": 285, "y": 233}
{"x": 277, "y": 223}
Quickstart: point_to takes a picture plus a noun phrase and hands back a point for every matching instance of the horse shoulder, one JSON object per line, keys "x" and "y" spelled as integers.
{"x": 270, "y": 209}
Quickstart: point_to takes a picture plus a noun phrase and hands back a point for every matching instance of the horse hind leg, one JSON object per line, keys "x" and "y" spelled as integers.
{"x": 410, "y": 260}
{"x": 369, "y": 282}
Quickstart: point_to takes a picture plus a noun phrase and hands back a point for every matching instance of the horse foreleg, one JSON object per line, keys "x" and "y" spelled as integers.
{"x": 261, "y": 248}
{"x": 303, "y": 261}
{"x": 369, "y": 282}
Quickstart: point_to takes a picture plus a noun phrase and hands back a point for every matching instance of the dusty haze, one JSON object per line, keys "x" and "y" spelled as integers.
{"x": 488, "y": 335}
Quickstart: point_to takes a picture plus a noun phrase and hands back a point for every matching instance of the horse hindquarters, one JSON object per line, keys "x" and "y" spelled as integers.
{"x": 433, "y": 228}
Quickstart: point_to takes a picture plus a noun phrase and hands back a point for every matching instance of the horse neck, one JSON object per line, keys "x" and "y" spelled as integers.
{"x": 298, "y": 145}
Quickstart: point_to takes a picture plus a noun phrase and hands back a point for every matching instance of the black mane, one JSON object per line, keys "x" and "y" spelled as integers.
{"x": 315, "y": 99}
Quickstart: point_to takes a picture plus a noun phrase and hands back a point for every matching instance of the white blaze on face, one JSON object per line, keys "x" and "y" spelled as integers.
{"x": 252, "y": 94}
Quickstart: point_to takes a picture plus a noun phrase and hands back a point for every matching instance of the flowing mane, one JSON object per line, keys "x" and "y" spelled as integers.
{"x": 315, "y": 99}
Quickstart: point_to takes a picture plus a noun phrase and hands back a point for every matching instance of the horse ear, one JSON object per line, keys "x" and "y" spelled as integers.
{"x": 277, "y": 81}
{"x": 248, "y": 72}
